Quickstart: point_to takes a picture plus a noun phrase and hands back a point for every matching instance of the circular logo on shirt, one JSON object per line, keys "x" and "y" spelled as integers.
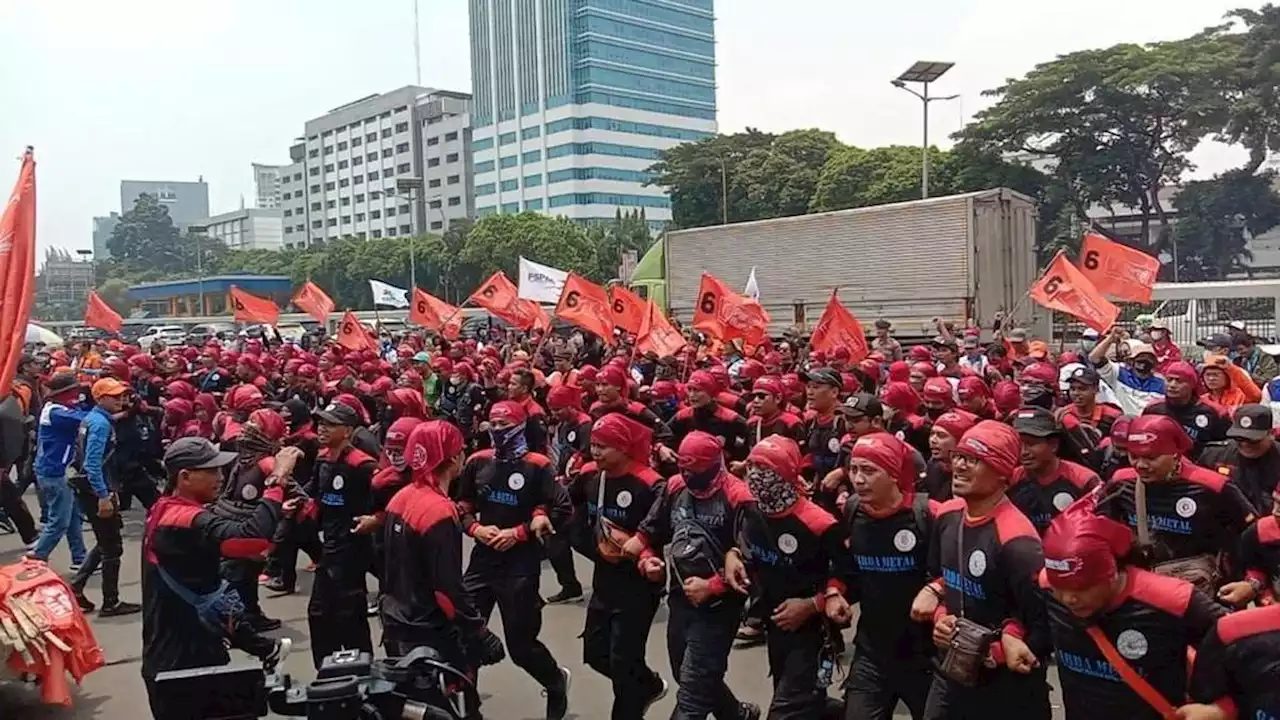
{"x": 1062, "y": 500}
{"x": 787, "y": 543}
{"x": 516, "y": 481}
{"x": 1246, "y": 422}
{"x": 624, "y": 499}
{"x": 901, "y": 436}
{"x": 904, "y": 540}
{"x": 1186, "y": 507}
{"x": 977, "y": 563}
{"x": 1132, "y": 644}
{"x": 572, "y": 436}
{"x": 833, "y": 445}
{"x": 338, "y": 482}
{"x": 1202, "y": 421}
{"x": 144, "y": 433}
{"x": 249, "y": 492}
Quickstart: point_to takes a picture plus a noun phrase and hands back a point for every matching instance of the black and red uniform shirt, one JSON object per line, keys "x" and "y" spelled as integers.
{"x": 1042, "y": 498}
{"x": 913, "y": 430}
{"x": 1101, "y": 418}
{"x": 798, "y": 554}
{"x": 1204, "y": 423}
{"x": 716, "y": 420}
{"x": 535, "y": 424}
{"x": 1240, "y": 658}
{"x": 1260, "y": 553}
{"x": 627, "y": 499}
{"x": 387, "y": 481}
{"x": 821, "y": 443}
{"x": 344, "y": 492}
{"x": 989, "y": 568}
{"x": 890, "y": 564}
{"x": 422, "y": 596}
{"x": 1197, "y": 512}
{"x": 635, "y": 411}
{"x": 717, "y": 513}
{"x": 571, "y": 444}
{"x": 509, "y": 494}
{"x": 936, "y": 482}
{"x": 785, "y": 423}
{"x": 1151, "y": 623}
{"x": 190, "y": 543}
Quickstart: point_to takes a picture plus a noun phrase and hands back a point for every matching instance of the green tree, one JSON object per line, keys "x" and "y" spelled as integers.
{"x": 1250, "y": 82}
{"x": 854, "y": 177}
{"x": 628, "y": 232}
{"x": 146, "y": 239}
{"x": 698, "y": 176}
{"x": 1215, "y": 219}
{"x": 115, "y": 292}
{"x": 497, "y": 242}
{"x": 780, "y": 180}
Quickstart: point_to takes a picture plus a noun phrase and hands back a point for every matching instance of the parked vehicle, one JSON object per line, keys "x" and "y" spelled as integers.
{"x": 201, "y": 334}
{"x": 170, "y": 335}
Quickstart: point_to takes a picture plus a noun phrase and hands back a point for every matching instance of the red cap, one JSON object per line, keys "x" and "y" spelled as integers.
{"x": 270, "y": 422}
{"x": 1042, "y": 373}
{"x": 564, "y": 396}
{"x": 588, "y": 373}
{"x": 994, "y": 443}
{"x": 1156, "y": 435}
{"x": 398, "y": 433}
{"x": 1081, "y": 547}
{"x": 899, "y": 371}
{"x": 901, "y": 397}
{"x": 972, "y": 386}
{"x": 1007, "y": 396}
{"x": 924, "y": 368}
{"x": 509, "y": 411}
{"x": 704, "y": 381}
{"x": 143, "y": 362}
{"x": 244, "y": 398}
{"x": 430, "y": 444}
{"x": 666, "y": 389}
{"x": 889, "y": 454}
{"x": 956, "y": 422}
{"x": 700, "y": 451}
{"x": 938, "y": 389}
{"x": 920, "y": 353}
{"x": 769, "y": 384}
{"x": 612, "y": 375}
{"x": 1182, "y": 371}
{"x": 780, "y": 454}
{"x": 751, "y": 370}
{"x": 622, "y": 433}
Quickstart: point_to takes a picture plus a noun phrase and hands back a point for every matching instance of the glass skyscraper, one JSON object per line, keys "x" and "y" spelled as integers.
{"x": 574, "y": 99}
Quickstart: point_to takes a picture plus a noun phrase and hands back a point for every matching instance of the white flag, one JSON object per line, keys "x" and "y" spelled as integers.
{"x": 388, "y": 295}
{"x": 541, "y": 283}
{"x": 753, "y": 288}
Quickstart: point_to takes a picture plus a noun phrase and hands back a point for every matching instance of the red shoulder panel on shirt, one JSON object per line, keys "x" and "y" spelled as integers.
{"x": 323, "y": 454}
{"x": 647, "y": 475}
{"x": 684, "y": 413}
{"x": 1166, "y": 593}
{"x": 179, "y": 516}
{"x": 267, "y": 464}
{"x": 1203, "y": 477}
{"x": 1077, "y": 474}
{"x": 1123, "y": 475}
{"x": 422, "y": 508}
{"x": 636, "y": 408}
{"x": 356, "y": 457}
{"x": 950, "y": 506}
{"x": 790, "y": 419}
{"x": 1011, "y": 523}
{"x": 675, "y": 484}
{"x": 590, "y": 467}
{"x": 737, "y": 492}
{"x": 1247, "y": 623}
{"x": 1019, "y": 475}
{"x": 537, "y": 460}
{"x": 725, "y": 414}
{"x": 1268, "y": 530}
{"x": 1042, "y": 578}
{"x": 813, "y": 517}
{"x": 935, "y": 508}
{"x": 485, "y": 454}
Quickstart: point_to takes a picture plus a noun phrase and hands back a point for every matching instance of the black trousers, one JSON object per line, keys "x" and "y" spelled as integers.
{"x": 613, "y": 644}
{"x": 292, "y": 535}
{"x": 105, "y": 553}
{"x": 873, "y": 688}
{"x": 520, "y": 605}
{"x": 560, "y": 553}
{"x": 1001, "y": 693}
{"x": 141, "y": 486}
{"x": 12, "y": 505}
{"x": 698, "y": 643}
{"x": 337, "y": 614}
{"x": 793, "y": 666}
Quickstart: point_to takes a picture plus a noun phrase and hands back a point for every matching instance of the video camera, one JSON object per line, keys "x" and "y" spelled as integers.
{"x": 349, "y": 686}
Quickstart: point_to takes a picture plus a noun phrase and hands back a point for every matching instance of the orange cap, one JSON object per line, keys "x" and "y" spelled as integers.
{"x": 108, "y": 387}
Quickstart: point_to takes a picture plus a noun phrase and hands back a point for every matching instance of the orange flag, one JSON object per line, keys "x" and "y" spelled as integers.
{"x": 17, "y": 270}
{"x": 656, "y": 333}
{"x": 1117, "y": 270}
{"x": 725, "y": 315}
{"x": 839, "y": 328}
{"x": 314, "y": 302}
{"x": 628, "y": 309}
{"x": 100, "y": 315}
{"x": 586, "y": 305}
{"x": 435, "y": 314}
{"x": 251, "y": 308}
{"x": 352, "y": 335}
{"x": 500, "y": 297}
{"x": 1064, "y": 288}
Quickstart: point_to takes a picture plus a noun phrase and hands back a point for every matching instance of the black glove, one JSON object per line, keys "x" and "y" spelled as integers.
{"x": 487, "y": 649}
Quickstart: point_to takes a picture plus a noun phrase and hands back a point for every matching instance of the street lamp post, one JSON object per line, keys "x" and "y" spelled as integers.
{"x": 924, "y": 72}
{"x": 411, "y": 187}
{"x": 198, "y": 231}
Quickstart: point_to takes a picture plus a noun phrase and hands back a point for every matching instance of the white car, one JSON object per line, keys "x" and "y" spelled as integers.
{"x": 170, "y": 335}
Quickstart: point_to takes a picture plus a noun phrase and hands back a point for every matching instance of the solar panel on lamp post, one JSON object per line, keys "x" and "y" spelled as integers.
{"x": 924, "y": 72}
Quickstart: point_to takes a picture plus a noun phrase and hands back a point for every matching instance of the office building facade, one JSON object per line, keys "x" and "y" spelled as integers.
{"x": 343, "y": 177}
{"x": 187, "y": 202}
{"x": 103, "y": 226}
{"x": 266, "y": 185}
{"x": 246, "y": 228}
{"x": 573, "y": 100}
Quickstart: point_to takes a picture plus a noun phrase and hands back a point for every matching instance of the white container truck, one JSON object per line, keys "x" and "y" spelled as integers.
{"x": 957, "y": 257}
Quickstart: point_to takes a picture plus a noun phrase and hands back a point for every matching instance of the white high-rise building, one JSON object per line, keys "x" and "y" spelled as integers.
{"x": 575, "y": 99}
{"x": 266, "y": 183}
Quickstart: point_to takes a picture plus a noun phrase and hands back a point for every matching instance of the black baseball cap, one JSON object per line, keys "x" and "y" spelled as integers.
{"x": 1252, "y": 422}
{"x": 824, "y": 375}
{"x": 1035, "y": 422}
{"x": 194, "y": 453}
{"x": 943, "y": 341}
{"x": 1216, "y": 340}
{"x": 861, "y": 405}
{"x": 336, "y": 413}
{"x": 62, "y": 382}
{"x": 1086, "y": 375}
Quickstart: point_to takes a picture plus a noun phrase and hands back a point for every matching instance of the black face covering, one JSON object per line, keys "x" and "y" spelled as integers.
{"x": 1143, "y": 365}
{"x": 1036, "y": 395}
{"x": 700, "y": 481}
{"x": 299, "y": 413}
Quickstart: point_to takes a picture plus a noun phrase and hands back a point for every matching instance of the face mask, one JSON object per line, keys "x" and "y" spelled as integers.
{"x": 1035, "y": 395}
{"x": 395, "y": 458}
{"x": 773, "y": 494}
{"x": 455, "y": 380}
{"x": 1157, "y": 335}
{"x": 1143, "y": 365}
{"x": 699, "y": 481}
{"x": 509, "y": 444}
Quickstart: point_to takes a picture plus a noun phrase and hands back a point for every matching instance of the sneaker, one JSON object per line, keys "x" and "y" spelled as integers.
{"x": 748, "y": 711}
{"x": 86, "y": 605}
{"x": 119, "y": 608}
{"x": 372, "y": 609}
{"x": 558, "y": 697}
{"x": 749, "y": 636}
{"x": 566, "y": 595}
{"x": 263, "y": 579}
{"x": 277, "y": 585}
{"x": 75, "y": 566}
{"x": 262, "y": 623}
{"x": 311, "y": 567}
{"x": 278, "y": 654}
{"x": 661, "y": 693}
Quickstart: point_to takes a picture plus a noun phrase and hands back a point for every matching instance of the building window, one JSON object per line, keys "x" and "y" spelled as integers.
{"x": 316, "y": 207}
{"x": 315, "y": 189}
{"x": 433, "y": 162}
{"x": 484, "y": 166}
{"x": 357, "y": 141}
{"x": 486, "y": 210}
{"x": 299, "y": 228}
{"x": 328, "y": 149}
{"x": 373, "y": 174}
{"x": 506, "y": 138}
{"x": 357, "y": 180}
{"x": 328, "y": 186}
{"x": 328, "y": 167}
{"x": 376, "y": 234}
{"x": 388, "y": 171}
{"x": 317, "y": 224}
{"x": 332, "y": 222}
{"x": 342, "y": 146}
{"x": 313, "y": 153}
{"x": 342, "y": 164}
{"x": 433, "y": 141}
{"x": 511, "y": 207}
{"x": 455, "y": 201}
{"x": 387, "y": 152}
{"x": 437, "y": 225}
{"x": 288, "y": 213}
{"x": 372, "y": 157}
{"x": 345, "y": 201}
{"x": 482, "y": 144}
{"x": 391, "y": 212}
{"x": 530, "y": 133}
{"x": 508, "y": 185}
{"x": 346, "y": 219}
{"x": 359, "y": 217}
{"x": 435, "y": 204}
{"x": 330, "y": 204}
{"x": 531, "y": 156}
{"x": 532, "y": 180}
{"x": 375, "y": 214}
{"x": 357, "y": 160}
{"x": 507, "y": 162}
{"x": 371, "y": 136}
{"x": 451, "y": 157}
{"x": 402, "y": 169}
{"x": 450, "y": 137}
{"x": 297, "y": 176}
{"x": 535, "y": 204}
{"x": 343, "y": 182}
{"x": 402, "y": 148}
{"x": 481, "y": 190}
{"x": 406, "y": 229}
{"x": 314, "y": 172}
{"x": 386, "y": 132}
{"x": 433, "y": 182}
{"x": 375, "y": 195}
{"x": 360, "y": 235}
{"x": 454, "y": 179}
{"x": 286, "y": 196}
{"x": 402, "y": 127}
{"x": 360, "y": 197}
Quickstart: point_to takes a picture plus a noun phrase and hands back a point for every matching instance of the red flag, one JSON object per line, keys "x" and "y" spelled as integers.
{"x": 17, "y": 270}
{"x": 628, "y": 309}
{"x": 352, "y": 335}
{"x": 726, "y": 315}
{"x": 1064, "y": 288}
{"x": 586, "y": 305}
{"x": 251, "y": 308}
{"x": 100, "y": 315}
{"x": 500, "y": 297}
{"x": 314, "y": 302}
{"x": 656, "y": 333}
{"x": 839, "y": 328}
{"x": 1118, "y": 270}
{"x": 435, "y": 314}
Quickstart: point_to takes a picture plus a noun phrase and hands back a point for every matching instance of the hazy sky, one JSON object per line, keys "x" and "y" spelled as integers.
{"x": 152, "y": 90}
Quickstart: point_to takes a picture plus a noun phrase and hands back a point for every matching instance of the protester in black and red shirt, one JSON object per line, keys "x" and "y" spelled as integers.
{"x": 1045, "y": 484}
{"x": 1202, "y": 422}
{"x": 943, "y": 436}
{"x": 769, "y": 414}
{"x": 1240, "y": 659}
{"x": 706, "y": 414}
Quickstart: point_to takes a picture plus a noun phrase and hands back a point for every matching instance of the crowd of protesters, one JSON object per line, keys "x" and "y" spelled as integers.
{"x": 988, "y": 506}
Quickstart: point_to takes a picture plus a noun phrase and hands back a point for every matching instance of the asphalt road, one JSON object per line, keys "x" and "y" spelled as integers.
{"x": 116, "y": 692}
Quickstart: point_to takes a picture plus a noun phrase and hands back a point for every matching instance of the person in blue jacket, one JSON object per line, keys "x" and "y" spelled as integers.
{"x": 99, "y": 502}
{"x": 57, "y": 428}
